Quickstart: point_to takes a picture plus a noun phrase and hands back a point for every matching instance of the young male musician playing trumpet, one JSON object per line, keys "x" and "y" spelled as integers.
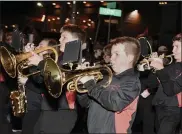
{"x": 169, "y": 98}
{"x": 32, "y": 88}
{"x": 112, "y": 109}
{"x": 65, "y": 104}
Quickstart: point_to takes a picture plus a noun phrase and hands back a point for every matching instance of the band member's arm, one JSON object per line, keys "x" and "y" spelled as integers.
{"x": 171, "y": 87}
{"x": 83, "y": 100}
{"x": 114, "y": 99}
{"x": 152, "y": 83}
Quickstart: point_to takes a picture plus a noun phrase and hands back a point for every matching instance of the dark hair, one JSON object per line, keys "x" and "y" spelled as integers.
{"x": 75, "y": 31}
{"x": 178, "y": 37}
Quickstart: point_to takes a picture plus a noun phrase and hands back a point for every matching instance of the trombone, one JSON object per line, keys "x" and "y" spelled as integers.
{"x": 11, "y": 62}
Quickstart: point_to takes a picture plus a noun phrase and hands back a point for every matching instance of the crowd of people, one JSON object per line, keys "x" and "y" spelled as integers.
{"x": 147, "y": 102}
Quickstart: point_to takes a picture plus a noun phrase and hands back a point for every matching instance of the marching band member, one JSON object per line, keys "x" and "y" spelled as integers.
{"x": 168, "y": 99}
{"x": 112, "y": 109}
{"x": 66, "y": 115}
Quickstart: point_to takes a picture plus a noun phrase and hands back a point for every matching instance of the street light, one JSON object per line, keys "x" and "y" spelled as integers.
{"x": 39, "y": 4}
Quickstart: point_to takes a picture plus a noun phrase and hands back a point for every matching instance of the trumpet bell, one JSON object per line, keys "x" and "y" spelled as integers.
{"x": 52, "y": 78}
{"x": 8, "y": 62}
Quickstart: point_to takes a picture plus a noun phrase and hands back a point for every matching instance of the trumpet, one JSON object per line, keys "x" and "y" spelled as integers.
{"x": 12, "y": 62}
{"x": 145, "y": 63}
{"x": 55, "y": 78}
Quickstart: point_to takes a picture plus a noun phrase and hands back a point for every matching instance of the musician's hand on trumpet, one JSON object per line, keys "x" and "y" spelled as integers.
{"x": 29, "y": 47}
{"x": 34, "y": 59}
{"x": 156, "y": 63}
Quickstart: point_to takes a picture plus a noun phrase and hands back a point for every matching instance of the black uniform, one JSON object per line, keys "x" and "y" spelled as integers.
{"x": 145, "y": 116}
{"x": 172, "y": 85}
{"x": 112, "y": 109}
{"x": 167, "y": 107}
{"x": 49, "y": 115}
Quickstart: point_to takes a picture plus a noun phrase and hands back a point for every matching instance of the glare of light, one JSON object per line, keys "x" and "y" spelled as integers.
{"x": 133, "y": 17}
{"x": 49, "y": 19}
{"x": 68, "y": 3}
{"x": 43, "y": 18}
{"x": 84, "y": 2}
{"x": 84, "y": 21}
{"x": 39, "y": 4}
{"x": 134, "y": 13}
{"x": 67, "y": 19}
{"x": 89, "y": 20}
{"x": 13, "y": 25}
{"x": 89, "y": 24}
{"x": 92, "y": 22}
{"x": 53, "y": 4}
{"x": 90, "y": 38}
{"x": 77, "y": 12}
{"x": 162, "y": 3}
{"x": 101, "y": 1}
{"x": 6, "y": 26}
{"x": 58, "y": 18}
{"x": 53, "y": 19}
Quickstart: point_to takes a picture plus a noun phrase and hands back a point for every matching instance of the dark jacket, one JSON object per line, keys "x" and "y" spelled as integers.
{"x": 161, "y": 98}
{"x": 112, "y": 109}
{"x": 149, "y": 81}
{"x": 171, "y": 85}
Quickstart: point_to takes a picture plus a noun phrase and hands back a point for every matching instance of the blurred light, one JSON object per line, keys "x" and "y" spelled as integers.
{"x": 77, "y": 12}
{"x": 58, "y": 18}
{"x": 68, "y": 3}
{"x": 53, "y": 19}
{"x": 90, "y": 38}
{"x": 92, "y": 22}
{"x": 57, "y": 6}
{"x": 6, "y": 26}
{"x": 84, "y": 21}
{"x": 43, "y": 18}
{"x": 49, "y": 19}
{"x": 84, "y": 2}
{"x": 133, "y": 17}
{"x": 89, "y": 24}
{"x": 89, "y": 19}
{"x": 101, "y": 1}
{"x": 88, "y": 4}
{"x": 39, "y": 4}
{"x": 67, "y": 19}
{"x": 13, "y": 25}
{"x": 162, "y": 3}
{"x": 134, "y": 13}
{"x": 53, "y": 4}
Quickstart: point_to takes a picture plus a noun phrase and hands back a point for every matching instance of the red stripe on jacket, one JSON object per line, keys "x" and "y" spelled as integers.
{"x": 122, "y": 119}
{"x": 71, "y": 97}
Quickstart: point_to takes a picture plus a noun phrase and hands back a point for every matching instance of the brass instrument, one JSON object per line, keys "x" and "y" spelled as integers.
{"x": 144, "y": 64}
{"x": 19, "y": 100}
{"x": 55, "y": 78}
{"x": 10, "y": 62}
